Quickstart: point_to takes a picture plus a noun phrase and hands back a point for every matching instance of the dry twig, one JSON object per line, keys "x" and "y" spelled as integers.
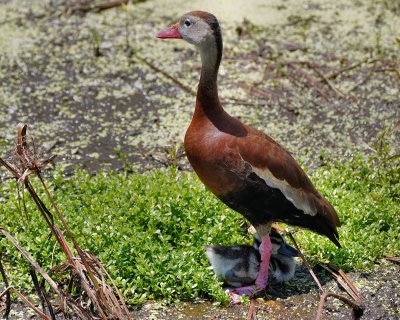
{"x": 344, "y": 281}
{"x": 357, "y": 305}
{"x": 184, "y": 87}
{"x": 165, "y": 74}
{"x": 321, "y": 290}
{"x": 300, "y": 73}
{"x": 65, "y": 300}
{"x": 42, "y": 295}
{"x": 87, "y": 271}
{"x": 324, "y": 77}
{"x": 336, "y": 73}
{"x": 26, "y": 301}
{"x": 393, "y": 259}
{"x": 88, "y": 5}
{"x": 252, "y": 313}
{"x": 8, "y": 297}
{"x": 326, "y": 80}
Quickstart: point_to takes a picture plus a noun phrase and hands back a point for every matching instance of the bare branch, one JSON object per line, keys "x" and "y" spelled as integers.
{"x": 8, "y": 297}
{"x": 26, "y": 301}
{"x": 321, "y": 290}
{"x": 356, "y": 307}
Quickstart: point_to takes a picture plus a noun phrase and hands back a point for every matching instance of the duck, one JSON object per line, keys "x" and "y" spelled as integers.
{"x": 239, "y": 265}
{"x": 242, "y": 166}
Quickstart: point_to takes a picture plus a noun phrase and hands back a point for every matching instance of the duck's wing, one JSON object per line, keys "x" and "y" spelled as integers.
{"x": 277, "y": 168}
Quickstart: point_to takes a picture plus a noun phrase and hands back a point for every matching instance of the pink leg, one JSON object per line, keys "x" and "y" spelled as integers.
{"x": 265, "y": 252}
{"x": 262, "y": 277}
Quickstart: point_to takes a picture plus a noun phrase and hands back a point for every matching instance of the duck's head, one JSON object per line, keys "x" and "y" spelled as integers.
{"x": 202, "y": 30}
{"x": 195, "y": 27}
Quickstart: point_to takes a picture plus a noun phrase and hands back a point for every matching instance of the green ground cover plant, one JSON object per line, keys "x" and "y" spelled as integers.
{"x": 150, "y": 229}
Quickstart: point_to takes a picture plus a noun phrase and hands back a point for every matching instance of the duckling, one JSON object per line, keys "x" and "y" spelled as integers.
{"x": 236, "y": 265}
{"x": 239, "y": 265}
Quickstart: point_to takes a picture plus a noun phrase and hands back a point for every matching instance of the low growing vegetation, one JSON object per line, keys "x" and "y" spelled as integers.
{"x": 150, "y": 229}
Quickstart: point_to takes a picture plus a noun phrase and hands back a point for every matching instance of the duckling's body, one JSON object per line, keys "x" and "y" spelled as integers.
{"x": 239, "y": 265}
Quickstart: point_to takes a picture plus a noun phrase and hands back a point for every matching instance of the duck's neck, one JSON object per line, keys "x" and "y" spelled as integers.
{"x": 207, "y": 102}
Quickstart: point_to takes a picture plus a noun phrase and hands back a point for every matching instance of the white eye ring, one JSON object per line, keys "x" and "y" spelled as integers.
{"x": 187, "y": 23}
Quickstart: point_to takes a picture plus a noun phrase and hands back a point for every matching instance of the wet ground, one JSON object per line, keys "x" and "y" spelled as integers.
{"x": 321, "y": 78}
{"x": 99, "y": 90}
{"x": 295, "y": 300}
{"x": 299, "y": 300}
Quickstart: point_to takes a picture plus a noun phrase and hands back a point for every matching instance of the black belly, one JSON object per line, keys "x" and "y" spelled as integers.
{"x": 262, "y": 204}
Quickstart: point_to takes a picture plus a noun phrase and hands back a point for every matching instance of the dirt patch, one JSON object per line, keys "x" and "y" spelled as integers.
{"x": 295, "y": 300}
{"x": 299, "y": 300}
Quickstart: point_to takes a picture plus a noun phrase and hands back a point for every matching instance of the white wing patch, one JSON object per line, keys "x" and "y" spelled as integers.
{"x": 294, "y": 195}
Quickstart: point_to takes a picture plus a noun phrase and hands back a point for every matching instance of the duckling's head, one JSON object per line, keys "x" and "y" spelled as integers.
{"x": 279, "y": 246}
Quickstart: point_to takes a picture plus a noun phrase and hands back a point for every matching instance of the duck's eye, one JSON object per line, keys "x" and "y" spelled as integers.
{"x": 188, "y": 23}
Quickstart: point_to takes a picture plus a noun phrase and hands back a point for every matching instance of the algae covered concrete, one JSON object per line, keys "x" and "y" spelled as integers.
{"x": 320, "y": 77}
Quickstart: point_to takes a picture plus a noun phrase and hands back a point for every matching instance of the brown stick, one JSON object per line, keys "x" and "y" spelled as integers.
{"x": 10, "y": 168}
{"x": 110, "y": 4}
{"x": 351, "y": 285}
{"x": 182, "y": 85}
{"x": 393, "y": 259}
{"x": 121, "y": 298}
{"x": 80, "y": 252}
{"x": 21, "y": 144}
{"x": 83, "y": 281}
{"x": 321, "y": 74}
{"x": 325, "y": 295}
{"x": 71, "y": 9}
{"x": 50, "y": 281}
{"x": 22, "y": 152}
{"x": 64, "y": 299}
{"x": 327, "y": 81}
{"x": 99, "y": 292}
{"x": 321, "y": 290}
{"x": 165, "y": 74}
{"x": 351, "y": 67}
{"x": 356, "y": 305}
{"x": 252, "y": 313}
{"x": 8, "y": 296}
{"x": 42, "y": 295}
{"x": 345, "y": 283}
{"x": 312, "y": 80}
{"x": 363, "y": 81}
{"x": 26, "y": 301}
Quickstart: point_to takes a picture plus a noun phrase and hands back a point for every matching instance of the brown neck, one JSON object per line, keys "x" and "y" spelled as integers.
{"x": 207, "y": 101}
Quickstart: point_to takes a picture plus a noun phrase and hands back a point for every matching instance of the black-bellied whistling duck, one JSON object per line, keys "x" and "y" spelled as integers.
{"x": 243, "y": 167}
{"x": 239, "y": 265}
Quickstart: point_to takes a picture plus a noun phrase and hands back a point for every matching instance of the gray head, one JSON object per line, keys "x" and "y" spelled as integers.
{"x": 200, "y": 29}
{"x": 196, "y": 27}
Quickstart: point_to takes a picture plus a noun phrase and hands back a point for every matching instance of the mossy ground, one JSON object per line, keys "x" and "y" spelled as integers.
{"x": 79, "y": 82}
{"x": 150, "y": 230}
